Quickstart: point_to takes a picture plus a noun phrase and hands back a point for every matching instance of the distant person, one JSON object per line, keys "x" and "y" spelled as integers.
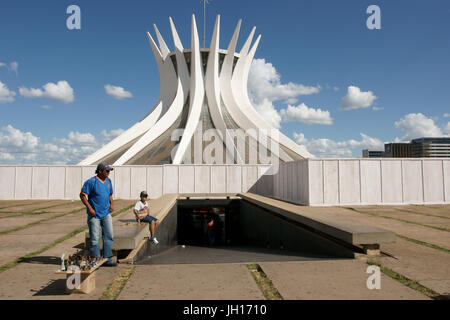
{"x": 142, "y": 212}
{"x": 211, "y": 230}
{"x": 99, "y": 205}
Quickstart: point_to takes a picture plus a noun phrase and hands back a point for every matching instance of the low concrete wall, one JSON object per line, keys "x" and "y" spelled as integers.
{"x": 314, "y": 182}
{"x": 260, "y": 227}
{"x": 326, "y": 182}
{"x": 65, "y": 182}
{"x": 166, "y": 235}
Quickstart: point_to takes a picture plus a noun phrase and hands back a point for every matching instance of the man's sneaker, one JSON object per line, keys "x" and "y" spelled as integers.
{"x": 110, "y": 264}
{"x": 155, "y": 241}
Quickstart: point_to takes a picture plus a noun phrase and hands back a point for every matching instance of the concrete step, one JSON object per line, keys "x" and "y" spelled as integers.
{"x": 128, "y": 234}
{"x": 349, "y": 232}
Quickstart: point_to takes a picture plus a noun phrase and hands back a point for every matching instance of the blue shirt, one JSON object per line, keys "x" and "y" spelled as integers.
{"x": 98, "y": 193}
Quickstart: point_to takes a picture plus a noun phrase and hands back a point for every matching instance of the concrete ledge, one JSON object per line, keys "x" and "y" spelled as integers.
{"x": 348, "y": 232}
{"x": 131, "y": 258}
{"x": 128, "y": 234}
{"x": 205, "y": 196}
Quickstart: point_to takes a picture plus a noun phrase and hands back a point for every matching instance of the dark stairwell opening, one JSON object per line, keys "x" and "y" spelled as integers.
{"x": 239, "y": 232}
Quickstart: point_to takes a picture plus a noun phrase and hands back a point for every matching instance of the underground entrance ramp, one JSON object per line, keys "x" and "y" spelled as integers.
{"x": 242, "y": 228}
{"x": 196, "y": 254}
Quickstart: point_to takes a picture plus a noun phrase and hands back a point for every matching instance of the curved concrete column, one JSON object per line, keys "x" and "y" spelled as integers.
{"x": 168, "y": 76}
{"x": 240, "y": 90}
{"x": 173, "y": 112}
{"x": 226, "y": 83}
{"x": 166, "y": 97}
{"x": 197, "y": 92}
{"x": 224, "y": 90}
{"x": 212, "y": 88}
{"x": 232, "y": 86}
{"x": 162, "y": 44}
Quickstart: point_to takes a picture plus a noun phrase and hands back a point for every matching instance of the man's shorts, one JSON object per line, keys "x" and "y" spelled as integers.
{"x": 148, "y": 219}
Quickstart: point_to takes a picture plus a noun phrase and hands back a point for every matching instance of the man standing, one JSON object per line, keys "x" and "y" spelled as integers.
{"x": 99, "y": 205}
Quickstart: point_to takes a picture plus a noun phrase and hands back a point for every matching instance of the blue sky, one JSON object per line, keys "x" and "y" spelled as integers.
{"x": 321, "y": 45}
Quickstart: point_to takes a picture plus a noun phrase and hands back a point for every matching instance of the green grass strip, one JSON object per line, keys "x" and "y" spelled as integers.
{"x": 43, "y": 208}
{"x": 426, "y": 244}
{"x": 19, "y": 214}
{"x": 35, "y": 253}
{"x": 413, "y": 284}
{"x": 422, "y": 213}
{"x": 266, "y": 286}
{"x": 115, "y": 287}
{"x": 53, "y": 244}
{"x": 19, "y": 205}
{"x": 428, "y": 206}
{"x": 38, "y": 222}
{"x": 397, "y": 219}
{"x": 35, "y": 211}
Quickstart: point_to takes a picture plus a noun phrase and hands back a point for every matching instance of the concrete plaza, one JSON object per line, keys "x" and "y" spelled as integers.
{"x": 34, "y": 234}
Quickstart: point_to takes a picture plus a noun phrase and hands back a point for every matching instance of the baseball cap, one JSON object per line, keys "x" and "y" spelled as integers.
{"x": 144, "y": 194}
{"x": 103, "y": 166}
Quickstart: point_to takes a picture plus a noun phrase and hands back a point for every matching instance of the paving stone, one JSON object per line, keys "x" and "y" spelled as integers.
{"x": 432, "y": 236}
{"x": 192, "y": 282}
{"x": 409, "y": 216}
{"x": 428, "y": 266}
{"x": 337, "y": 279}
{"x": 34, "y": 206}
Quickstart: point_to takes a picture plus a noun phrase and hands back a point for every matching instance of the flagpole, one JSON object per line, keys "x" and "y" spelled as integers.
{"x": 204, "y": 22}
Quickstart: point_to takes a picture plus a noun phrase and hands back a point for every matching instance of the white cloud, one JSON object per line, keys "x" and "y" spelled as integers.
{"x": 77, "y": 139}
{"x": 302, "y": 113}
{"x": 29, "y": 158}
{"x": 291, "y": 101}
{"x": 330, "y": 148}
{"x": 13, "y": 66}
{"x": 447, "y": 128}
{"x": 377, "y": 108}
{"x": 300, "y": 138}
{"x": 46, "y": 107}
{"x": 334, "y": 88}
{"x": 4, "y": 157}
{"x": 416, "y": 125}
{"x": 6, "y": 95}
{"x": 108, "y": 136}
{"x": 17, "y": 147}
{"x": 12, "y": 139}
{"x": 61, "y": 91}
{"x": 265, "y": 87}
{"x": 265, "y": 83}
{"x": 357, "y": 99}
{"x": 117, "y": 92}
{"x": 267, "y": 111}
{"x": 446, "y": 115}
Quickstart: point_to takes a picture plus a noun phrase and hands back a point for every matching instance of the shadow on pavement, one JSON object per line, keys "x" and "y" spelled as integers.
{"x": 42, "y": 260}
{"x": 79, "y": 246}
{"x": 192, "y": 254}
{"x": 55, "y": 288}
